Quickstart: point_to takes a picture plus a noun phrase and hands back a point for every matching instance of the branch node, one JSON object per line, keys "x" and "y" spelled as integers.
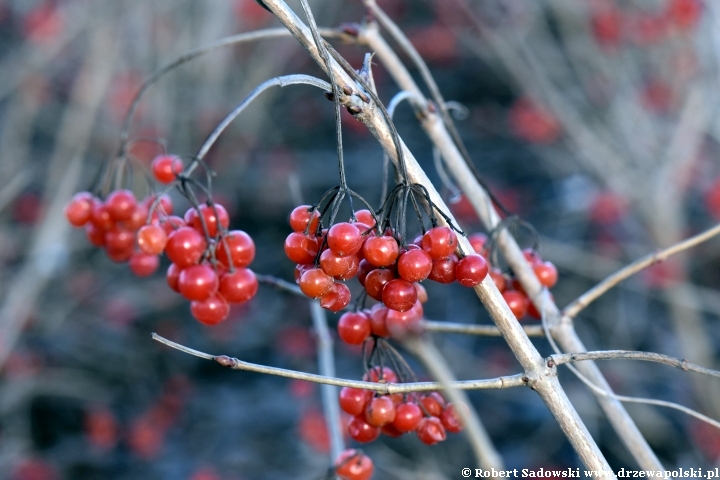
{"x": 226, "y": 361}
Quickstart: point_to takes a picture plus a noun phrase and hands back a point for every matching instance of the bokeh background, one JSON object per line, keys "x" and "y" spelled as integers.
{"x": 595, "y": 121}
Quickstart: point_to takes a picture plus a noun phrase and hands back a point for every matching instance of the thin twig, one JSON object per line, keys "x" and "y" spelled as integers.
{"x": 472, "y": 329}
{"x": 326, "y": 367}
{"x": 518, "y": 380}
{"x": 684, "y": 365}
{"x": 591, "y": 295}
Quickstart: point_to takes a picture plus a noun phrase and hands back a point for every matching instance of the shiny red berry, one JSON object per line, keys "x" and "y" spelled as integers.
{"x": 300, "y": 217}
{"x": 315, "y": 283}
{"x": 198, "y": 282}
{"x": 431, "y": 431}
{"x": 353, "y": 400}
{"x": 380, "y": 411}
{"x": 239, "y": 245}
{"x": 414, "y": 265}
{"x": 120, "y": 204}
{"x": 337, "y": 298}
{"x": 210, "y": 311}
{"x": 185, "y": 246}
{"x": 517, "y": 301}
{"x": 471, "y": 270}
{"x": 166, "y": 167}
{"x": 380, "y": 251}
{"x": 301, "y": 248}
{"x": 352, "y": 464}
{"x": 144, "y": 265}
{"x": 439, "y": 242}
{"x": 354, "y": 328}
{"x": 361, "y": 431}
{"x": 238, "y": 286}
{"x": 78, "y": 211}
{"x": 344, "y": 239}
{"x": 399, "y": 294}
{"x": 151, "y": 239}
{"x": 407, "y": 416}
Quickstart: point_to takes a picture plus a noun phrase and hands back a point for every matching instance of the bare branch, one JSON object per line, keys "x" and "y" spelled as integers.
{"x": 547, "y": 386}
{"x": 472, "y": 329}
{"x": 560, "y": 359}
{"x": 517, "y": 380}
{"x": 591, "y": 295}
{"x": 480, "y": 200}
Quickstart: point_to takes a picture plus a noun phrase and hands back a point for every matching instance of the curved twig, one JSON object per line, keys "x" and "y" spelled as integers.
{"x": 684, "y": 365}
{"x": 510, "y": 381}
{"x": 591, "y": 295}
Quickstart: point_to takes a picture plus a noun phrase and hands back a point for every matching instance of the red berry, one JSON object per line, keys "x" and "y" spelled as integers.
{"x": 172, "y": 223}
{"x": 439, "y": 242}
{"x": 353, "y": 465}
{"x": 185, "y": 246}
{"x": 101, "y": 217}
{"x": 407, "y": 417}
{"x": 361, "y": 431}
{"x": 364, "y": 268}
{"x": 79, "y": 209}
{"x": 380, "y": 251}
{"x": 238, "y": 286}
{"x": 95, "y": 235}
{"x": 299, "y": 218}
{"x": 498, "y": 278}
{"x": 138, "y": 218}
{"x": 380, "y": 411}
{"x": 450, "y": 419}
{"x": 353, "y": 400}
{"x": 152, "y": 239}
{"x": 546, "y": 273}
{"x": 335, "y": 265}
{"x": 301, "y": 248}
{"x": 210, "y": 311}
{"x": 166, "y": 167}
{"x": 433, "y": 403}
{"x": 378, "y": 320}
{"x": 241, "y": 248}
{"x": 517, "y": 301}
{"x": 354, "y": 328}
{"x": 478, "y": 242}
{"x": 400, "y": 324}
{"x": 144, "y": 265}
{"x": 337, "y": 298}
{"x": 414, "y": 265}
{"x": 120, "y": 204}
{"x": 532, "y": 257}
{"x": 375, "y": 374}
{"x": 471, "y": 270}
{"x": 119, "y": 239}
{"x": 315, "y": 283}
{"x": 431, "y": 431}
{"x": 344, "y": 239}
{"x": 212, "y": 214}
{"x": 399, "y": 294}
{"x": 366, "y": 217}
{"x": 443, "y": 270}
{"x": 119, "y": 255}
{"x": 198, "y": 282}
{"x": 376, "y": 280}
{"x": 390, "y": 430}
{"x": 172, "y": 276}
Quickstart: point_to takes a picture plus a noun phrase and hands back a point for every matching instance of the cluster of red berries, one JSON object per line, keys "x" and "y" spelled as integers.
{"x": 209, "y": 263}
{"x": 510, "y": 287}
{"x": 352, "y": 464}
{"x": 388, "y": 271}
{"x": 428, "y": 415}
